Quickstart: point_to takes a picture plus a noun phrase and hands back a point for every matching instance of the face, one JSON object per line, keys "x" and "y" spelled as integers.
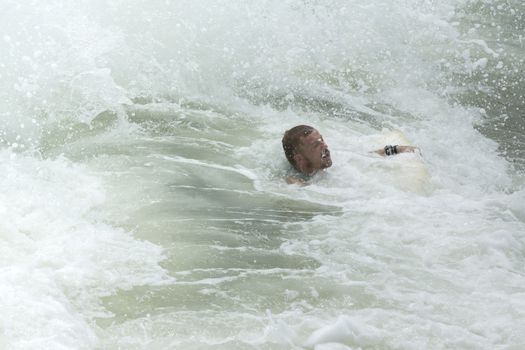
{"x": 314, "y": 153}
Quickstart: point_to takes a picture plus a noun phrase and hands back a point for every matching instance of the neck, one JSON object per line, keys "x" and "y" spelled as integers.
{"x": 308, "y": 171}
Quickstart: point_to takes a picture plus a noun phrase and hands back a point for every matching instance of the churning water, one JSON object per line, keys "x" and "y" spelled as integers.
{"x": 142, "y": 198}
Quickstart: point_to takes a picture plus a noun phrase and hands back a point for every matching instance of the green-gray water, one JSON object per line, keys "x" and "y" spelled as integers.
{"x": 142, "y": 190}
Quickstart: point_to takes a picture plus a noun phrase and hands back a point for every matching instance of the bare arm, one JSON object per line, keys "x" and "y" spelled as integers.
{"x": 398, "y": 148}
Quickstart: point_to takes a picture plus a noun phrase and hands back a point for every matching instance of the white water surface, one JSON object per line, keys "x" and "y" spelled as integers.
{"x": 142, "y": 199}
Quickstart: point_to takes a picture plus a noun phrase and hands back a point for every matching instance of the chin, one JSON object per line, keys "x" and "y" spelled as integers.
{"x": 327, "y": 164}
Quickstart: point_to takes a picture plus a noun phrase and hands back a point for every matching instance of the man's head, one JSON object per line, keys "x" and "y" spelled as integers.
{"x": 306, "y": 150}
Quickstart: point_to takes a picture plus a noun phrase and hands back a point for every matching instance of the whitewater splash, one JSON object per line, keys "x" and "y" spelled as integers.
{"x": 142, "y": 199}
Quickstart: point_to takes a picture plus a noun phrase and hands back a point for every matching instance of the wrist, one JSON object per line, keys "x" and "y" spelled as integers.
{"x": 390, "y": 150}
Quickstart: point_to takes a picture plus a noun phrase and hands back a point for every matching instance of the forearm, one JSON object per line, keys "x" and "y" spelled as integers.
{"x": 395, "y": 150}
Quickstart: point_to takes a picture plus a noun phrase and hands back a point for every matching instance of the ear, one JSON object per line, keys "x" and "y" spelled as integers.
{"x": 298, "y": 160}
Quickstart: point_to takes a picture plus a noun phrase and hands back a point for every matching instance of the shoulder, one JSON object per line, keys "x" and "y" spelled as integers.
{"x": 294, "y": 180}
{"x": 296, "y": 177}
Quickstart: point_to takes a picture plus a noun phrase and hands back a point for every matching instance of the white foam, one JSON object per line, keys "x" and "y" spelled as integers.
{"x": 347, "y": 331}
{"x": 397, "y": 269}
{"x": 57, "y": 259}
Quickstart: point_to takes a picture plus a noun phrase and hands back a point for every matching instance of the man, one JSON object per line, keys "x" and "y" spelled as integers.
{"x": 306, "y": 150}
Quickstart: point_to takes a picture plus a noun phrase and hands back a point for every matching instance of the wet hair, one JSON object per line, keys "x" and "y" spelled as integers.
{"x": 292, "y": 139}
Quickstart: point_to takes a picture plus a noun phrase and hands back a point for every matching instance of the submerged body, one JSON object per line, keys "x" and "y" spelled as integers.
{"x": 308, "y": 153}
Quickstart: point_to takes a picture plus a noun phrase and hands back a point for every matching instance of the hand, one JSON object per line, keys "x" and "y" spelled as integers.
{"x": 406, "y": 149}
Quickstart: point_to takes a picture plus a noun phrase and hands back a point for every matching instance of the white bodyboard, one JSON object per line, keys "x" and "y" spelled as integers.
{"x": 405, "y": 170}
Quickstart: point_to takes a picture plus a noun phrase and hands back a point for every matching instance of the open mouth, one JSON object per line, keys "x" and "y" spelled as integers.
{"x": 325, "y": 154}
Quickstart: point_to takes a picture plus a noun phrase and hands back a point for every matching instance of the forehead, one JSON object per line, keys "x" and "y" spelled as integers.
{"x": 312, "y": 137}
